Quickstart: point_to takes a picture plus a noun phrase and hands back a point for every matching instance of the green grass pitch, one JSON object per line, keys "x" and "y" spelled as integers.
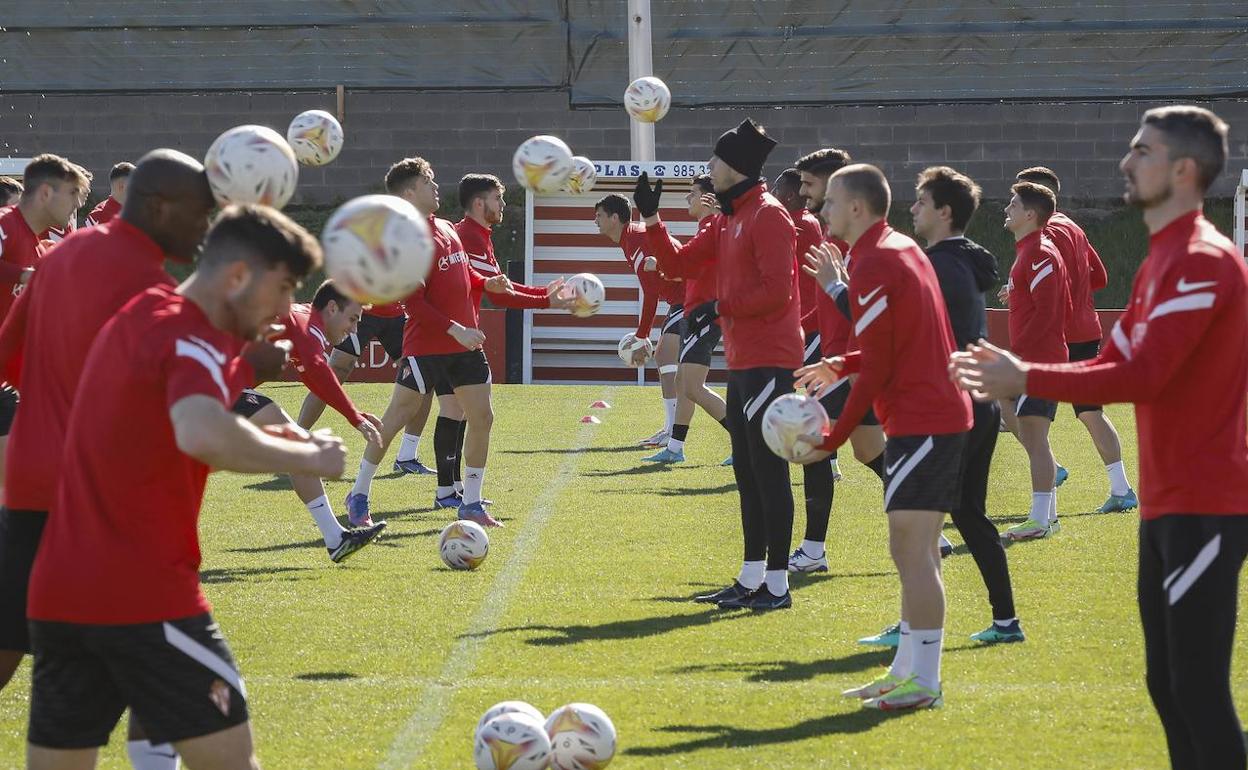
{"x": 388, "y": 661}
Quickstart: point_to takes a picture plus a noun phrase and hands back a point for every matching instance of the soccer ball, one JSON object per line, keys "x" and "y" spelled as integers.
{"x": 315, "y": 136}
{"x": 788, "y": 417}
{"x": 647, "y": 99}
{"x": 512, "y": 741}
{"x": 629, "y": 344}
{"x": 543, "y": 164}
{"x": 251, "y": 164}
{"x": 581, "y": 738}
{"x": 463, "y": 545}
{"x": 587, "y": 293}
{"x": 583, "y": 176}
{"x": 508, "y": 707}
{"x": 377, "y": 248}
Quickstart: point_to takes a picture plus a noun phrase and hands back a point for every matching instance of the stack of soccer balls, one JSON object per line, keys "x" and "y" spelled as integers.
{"x": 514, "y": 735}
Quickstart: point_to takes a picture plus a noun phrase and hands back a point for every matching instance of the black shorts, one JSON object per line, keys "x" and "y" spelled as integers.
{"x": 444, "y": 372}
{"x": 813, "y": 352}
{"x": 1084, "y": 351}
{"x": 249, "y": 402}
{"x": 8, "y": 408}
{"x": 923, "y": 473}
{"x": 387, "y": 331}
{"x": 834, "y": 403}
{"x": 675, "y": 321}
{"x": 20, "y": 532}
{"x": 1026, "y": 406}
{"x": 177, "y": 677}
{"x": 697, "y": 346}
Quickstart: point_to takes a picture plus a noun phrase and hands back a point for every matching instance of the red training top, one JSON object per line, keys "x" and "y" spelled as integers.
{"x": 445, "y": 298}
{"x": 105, "y": 211}
{"x": 19, "y": 249}
{"x": 310, "y": 346}
{"x": 1084, "y": 274}
{"x": 480, "y": 247}
{"x": 809, "y": 233}
{"x": 654, "y": 287}
{"x": 1039, "y": 301}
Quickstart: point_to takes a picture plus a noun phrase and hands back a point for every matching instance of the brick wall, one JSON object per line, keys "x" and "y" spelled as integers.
{"x": 478, "y": 131}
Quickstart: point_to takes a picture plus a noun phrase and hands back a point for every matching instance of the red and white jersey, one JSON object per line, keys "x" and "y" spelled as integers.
{"x": 444, "y": 299}
{"x": 835, "y": 330}
{"x": 902, "y": 327}
{"x": 57, "y": 234}
{"x": 654, "y": 286}
{"x": 310, "y": 350}
{"x": 1039, "y": 300}
{"x": 20, "y": 248}
{"x": 1180, "y": 354}
{"x": 480, "y": 248}
{"x": 809, "y": 234}
{"x": 104, "y": 211}
{"x": 1084, "y": 274}
{"x": 386, "y": 310}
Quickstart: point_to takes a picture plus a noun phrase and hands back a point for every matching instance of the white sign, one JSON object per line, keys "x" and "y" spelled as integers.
{"x": 608, "y": 169}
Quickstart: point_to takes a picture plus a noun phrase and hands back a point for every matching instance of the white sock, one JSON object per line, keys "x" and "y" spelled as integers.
{"x": 813, "y": 548}
{"x": 323, "y": 515}
{"x": 752, "y": 574}
{"x": 675, "y": 445}
{"x": 777, "y": 581}
{"x": 1053, "y": 505}
{"x": 364, "y": 479}
{"x": 458, "y": 486}
{"x": 1004, "y": 623}
{"x": 926, "y": 645}
{"x": 445, "y": 491}
{"x": 145, "y": 756}
{"x": 836, "y": 468}
{"x": 903, "y": 659}
{"x": 669, "y": 408}
{"x": 944, "y": 541}
{"x": 1041, "y": 504}
{"x": 1117, "y": 479}
{"x": 473, "y": 479}
{"x": 407, "y": 450}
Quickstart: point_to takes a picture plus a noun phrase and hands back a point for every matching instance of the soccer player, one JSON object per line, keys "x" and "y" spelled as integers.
{"x": 111, "y": 206}
{"x": 945, "y": 200}
{"x": 312, "y": 330}
{"x": 613, "y": 216}
{"x": 753, "y": 242}
{"x": 1039, "y": 300}
{"x": 701, "y": 331}
{"x": 442, "y": 349}
{"x": 117, "y": 615}
{"x": 1183, "y": 341}
{"x": 905, "y": 341}
{"x": 54, "y": 189}
{"x": 1085, "y": 274}
{"x": 54, "y": 234}
{"x": 10, "y": 191}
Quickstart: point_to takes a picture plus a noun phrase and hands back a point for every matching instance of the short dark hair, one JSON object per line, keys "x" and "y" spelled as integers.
{"x": 329, "y": 292}
{"x": 474, "y": 186}
{"x": 121, "y": 171}
{"x": 47, "y": 168}
{"x": 868, "y": 184}
{"x": 824, "y": 162}
{"x": 10, "y": 186}
{"x": 791, "y": 178}
{"x": 1192, "y": 132}
{"x": 262, "y": 236}
{"x": 704, "y": 181}
{"x": 404, "y": 172}
{"x": 1037, "y": 198}
{"x": 615, "y": 204}
{"x": 1042, "y": 176}
{"x": 953, "y": 189}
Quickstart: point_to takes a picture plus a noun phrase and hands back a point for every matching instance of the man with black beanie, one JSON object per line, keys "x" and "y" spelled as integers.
{"x": 754, "y": 243}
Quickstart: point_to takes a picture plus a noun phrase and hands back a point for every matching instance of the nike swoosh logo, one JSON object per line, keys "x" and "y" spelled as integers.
{"x": 864, "y": 299}
{"x": 1034, "y": 266}
{"x": 889, "y": 470}
{"x": 1184, "y": 286}
{"x": 930, "y": 641}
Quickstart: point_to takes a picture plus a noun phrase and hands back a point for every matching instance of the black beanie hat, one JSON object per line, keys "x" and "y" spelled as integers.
{"x": 745, "y": 148}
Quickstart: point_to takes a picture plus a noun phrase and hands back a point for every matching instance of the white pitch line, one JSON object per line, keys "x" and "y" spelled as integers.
{"x": 410, "y": 744}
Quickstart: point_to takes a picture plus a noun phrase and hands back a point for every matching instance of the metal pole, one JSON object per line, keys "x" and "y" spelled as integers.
{"x": 640, "y": 64}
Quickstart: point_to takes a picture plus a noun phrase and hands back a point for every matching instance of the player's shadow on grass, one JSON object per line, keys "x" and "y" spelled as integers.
{"x": 729, "y": 736}
{"x": 677, "y": 491}
{"x": 252, "y": 574}
{"x": 326, "y": 676}
{"x": 574, "y": 450}
{"x": 770, "y": 671}
{"x": 637, "y": 628}
{"x": 637, "y": 470}
{"x": 274, "y": 484}
{"x": 320, "y": 544}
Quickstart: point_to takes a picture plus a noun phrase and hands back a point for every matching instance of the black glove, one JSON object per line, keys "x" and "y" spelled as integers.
{"x": 645, "y": 199}
{"x": 704, "y": 315}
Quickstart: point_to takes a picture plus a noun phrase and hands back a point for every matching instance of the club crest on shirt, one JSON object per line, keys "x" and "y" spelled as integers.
{"x": 219, "y": 694}
{"x": 444, "y": 263}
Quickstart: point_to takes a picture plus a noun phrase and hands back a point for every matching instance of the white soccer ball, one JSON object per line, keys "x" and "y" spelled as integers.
{"x": 788, "y": 417}
{"x": 377, "y": 248}
{"x": 647, "y": 99}
{"x": 630, "y": 344}
{"x": 508, "y": 707}
{"x": 251, "y": 164}
{"x": 463, "y": 545}
{"x": 543, "y": 164}
{"x": 512, "y": 741}
{"x": 586, "y": 292}
{"x": 581, "y": 738}
{"x": 315, "y": 136}
{"x": 583, "y": 176}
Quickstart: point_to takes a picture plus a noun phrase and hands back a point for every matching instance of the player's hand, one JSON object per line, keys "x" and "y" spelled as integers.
{"x": 646, "y": 198}
{"x": 370, "y": 428}
{"x": 816, "y": 455}
{"x": 330, "y": 459}
{"x": 288, "y": 431}
{"x": 1003, "y": 295}
{"x": 819, "y": 376}
{"x": 649, "y": 264}
{"x": 556, "y": 296}
{"x": 471, "y": 339}
{"x": 499, "y": 284}
{"x": 710, "y": 201}
{"x": 826, "y": 264}
{"x": 642, "y": 355}
{"x": 987, "y": 372}
{"x": 268, "y": 357}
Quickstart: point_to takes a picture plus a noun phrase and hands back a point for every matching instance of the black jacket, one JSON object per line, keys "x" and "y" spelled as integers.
{"x": 965, "y": 270}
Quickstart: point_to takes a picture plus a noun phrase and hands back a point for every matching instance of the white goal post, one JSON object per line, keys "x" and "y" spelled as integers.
{"x": 1241, "y": 212}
